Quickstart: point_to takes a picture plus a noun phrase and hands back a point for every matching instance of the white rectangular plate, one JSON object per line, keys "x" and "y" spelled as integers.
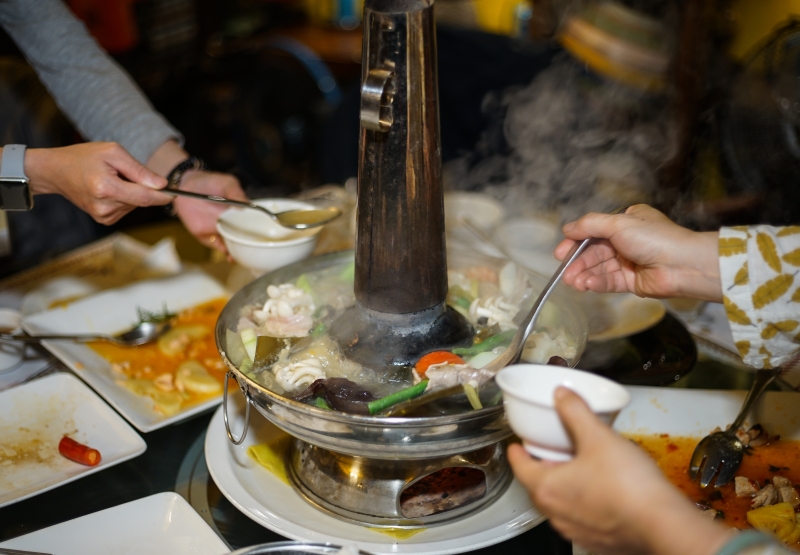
{"x": 695, "y": 412}
{"x": 162, "y": 524}
{"x": 33, "y": 419}
{"x": 111, "y": 312}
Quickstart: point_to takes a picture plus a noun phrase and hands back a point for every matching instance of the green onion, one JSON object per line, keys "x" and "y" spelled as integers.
{"x": 319, "y": 330}
{"x": 302, "y": 283}
{"x": 486, "y": 345}
{"x": 472, "y": 396}
{"x": 321, "y": 403}
{"x": 398, "y": 397}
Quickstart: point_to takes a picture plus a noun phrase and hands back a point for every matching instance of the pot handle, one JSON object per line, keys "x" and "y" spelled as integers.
{"x": 245, "y": 392}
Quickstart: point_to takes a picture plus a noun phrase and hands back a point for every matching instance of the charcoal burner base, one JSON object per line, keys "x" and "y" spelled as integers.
{"x": 384, "y": 341}
{"x": 405, "y": 494}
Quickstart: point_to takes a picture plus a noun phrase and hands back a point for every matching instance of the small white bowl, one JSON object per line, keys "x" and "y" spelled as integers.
{"x": 11, "y": 352}
{"x": 528, "y": 399}
{"x": 257, "y": 242}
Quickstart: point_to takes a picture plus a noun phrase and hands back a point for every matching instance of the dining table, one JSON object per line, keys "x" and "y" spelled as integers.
{"x": 175, "y": 461}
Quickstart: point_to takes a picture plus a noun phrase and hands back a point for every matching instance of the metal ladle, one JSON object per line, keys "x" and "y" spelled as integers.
{"x": 514, "y": 350}
{"x": 142, "y": 333}
{"x": 303, "y": 218}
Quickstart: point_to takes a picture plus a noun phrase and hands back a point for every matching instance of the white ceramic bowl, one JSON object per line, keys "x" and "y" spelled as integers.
{"x": 256, "y": 241}
{"x": 482, "y": 210}
{"x": 528, "y": 399}
{"x": 11, "y": 352}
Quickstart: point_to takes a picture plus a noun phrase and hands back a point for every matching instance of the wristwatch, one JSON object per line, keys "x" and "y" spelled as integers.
{"x": 15, "y": 192}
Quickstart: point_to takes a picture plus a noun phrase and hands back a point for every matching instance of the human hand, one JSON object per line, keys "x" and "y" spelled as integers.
{"x": 612, "y": 498}
{"x": 200, "y": 216}
{"x": 101, "y": 179}
{"x": 642, "y": 252}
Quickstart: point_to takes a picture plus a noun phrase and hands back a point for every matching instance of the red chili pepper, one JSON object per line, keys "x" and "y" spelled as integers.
{"x": 78, "y": 452}
{"x": 436, "y": 357}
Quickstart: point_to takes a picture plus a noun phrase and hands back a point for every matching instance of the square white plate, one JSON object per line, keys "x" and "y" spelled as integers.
{"x": 111, "y": 312}
{"x": 162, "y": 524}
{"x": 33, "y": 419}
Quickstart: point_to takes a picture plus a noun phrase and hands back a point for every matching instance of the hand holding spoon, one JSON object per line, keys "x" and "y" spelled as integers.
{"x": 514, "y": 350}
{"x": 293, "y": 219}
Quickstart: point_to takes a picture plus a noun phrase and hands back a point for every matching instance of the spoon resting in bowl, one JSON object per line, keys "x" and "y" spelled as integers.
{"x": 304, "y": 218}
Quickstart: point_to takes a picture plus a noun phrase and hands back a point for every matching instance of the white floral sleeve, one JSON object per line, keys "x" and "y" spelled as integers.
{"x": 759, "y": 268}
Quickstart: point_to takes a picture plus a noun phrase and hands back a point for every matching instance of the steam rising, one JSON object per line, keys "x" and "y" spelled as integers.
{"x": 569, "y": 143}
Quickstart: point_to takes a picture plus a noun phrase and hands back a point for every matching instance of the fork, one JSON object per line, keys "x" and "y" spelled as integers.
{"x": 723, "y": 451}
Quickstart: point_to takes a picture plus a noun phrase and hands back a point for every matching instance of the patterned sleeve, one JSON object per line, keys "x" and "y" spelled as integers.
{"x": 759, "y": 268}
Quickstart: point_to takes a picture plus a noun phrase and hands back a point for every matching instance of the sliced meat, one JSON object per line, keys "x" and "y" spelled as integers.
{"x": 743, "y": 436}
{"x": 766, "y": 496}
{"x": 744, "y": 487}
{"x": 788, "y": 494}
{"x": 781, "y": 482}
{"x": 710, "y": 514}
{"x": 447, "y": 375}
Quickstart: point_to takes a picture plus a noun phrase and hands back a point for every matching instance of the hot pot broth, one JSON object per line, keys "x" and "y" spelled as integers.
{"x": 283, "y": 343}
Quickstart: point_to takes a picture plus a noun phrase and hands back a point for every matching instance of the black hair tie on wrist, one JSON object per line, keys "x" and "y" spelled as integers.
{"x": 174, "y": 177}
{"x": 191, "y": 163}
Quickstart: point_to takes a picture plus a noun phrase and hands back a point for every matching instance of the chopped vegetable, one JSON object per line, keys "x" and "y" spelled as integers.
{"x": 246, "y": 367}
{"x": 340, "y": 393}
{"x": 154, "y": 317}
{"x": 250, "y": 340}
{"x": 487, "y": 344}
{"x": 193, "y": 377}
{"x": 397, "y": 397}
{"x": 482, "y": 359}
{"x": 437, "y": 357}
{"x": 268, "y": 349}
{"x": 78, "y": 452}
{"x": 177, "y": 339}
{"x": 319, "y": 330}
{"x": 472, "y": 396}
{"x": 302, "y": 283}
{"x": 778, "y": 520}
{"x": 321, "y": 403}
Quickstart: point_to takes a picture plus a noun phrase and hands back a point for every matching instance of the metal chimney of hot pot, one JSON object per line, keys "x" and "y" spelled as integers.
{"x": 401, "y": 264}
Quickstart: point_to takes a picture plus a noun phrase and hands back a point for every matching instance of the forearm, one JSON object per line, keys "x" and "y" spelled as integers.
{"x": 97, "y": 96}
{"x": 42, "y": 168}
{"x": 697, "y": 262}
{"x": 679, "y": 529}
{"x": 168, "y": 155}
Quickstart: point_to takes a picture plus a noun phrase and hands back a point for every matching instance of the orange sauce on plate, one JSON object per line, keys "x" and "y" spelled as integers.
{"x": 149, "y": 362}
{"x": 672, "y": 454}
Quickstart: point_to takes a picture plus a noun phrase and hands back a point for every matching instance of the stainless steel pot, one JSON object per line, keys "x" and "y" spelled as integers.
{"x": 374, "y": 436}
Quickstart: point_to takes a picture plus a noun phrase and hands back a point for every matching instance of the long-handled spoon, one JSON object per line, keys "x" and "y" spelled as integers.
{"x": 514, "y": 350}
{"x": 142, "y": 333}
{"x": 303, "y": 218}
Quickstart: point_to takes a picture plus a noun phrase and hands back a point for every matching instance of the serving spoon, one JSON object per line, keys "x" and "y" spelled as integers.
{"x": 302, "y": 218}
{"x": 514, "y": 350}
{"x": 142, "y": 333}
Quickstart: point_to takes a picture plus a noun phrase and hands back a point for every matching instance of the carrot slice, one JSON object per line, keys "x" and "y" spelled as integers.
{"x": 437, "y": 357}
{"x": 78, "y": 452}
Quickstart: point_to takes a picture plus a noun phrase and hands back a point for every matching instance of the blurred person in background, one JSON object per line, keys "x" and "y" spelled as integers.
{"x": 105, "y": 106}
{"x": 612, "y": 498}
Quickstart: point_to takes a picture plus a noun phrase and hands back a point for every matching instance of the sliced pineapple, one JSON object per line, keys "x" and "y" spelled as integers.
{"x": 175, "y": 341}
{"x": 166, "y": 402}
{"x": 778, "y": 520}
{"x": 193, "y": 377}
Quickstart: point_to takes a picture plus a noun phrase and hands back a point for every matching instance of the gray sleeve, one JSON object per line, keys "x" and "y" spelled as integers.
{"x": 90, "y": 88}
